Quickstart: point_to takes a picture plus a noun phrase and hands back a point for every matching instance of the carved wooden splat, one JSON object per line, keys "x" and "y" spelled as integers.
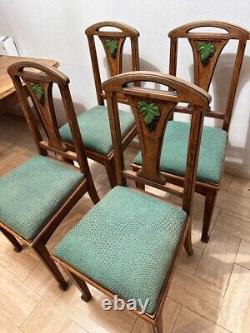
{"x": 41, "y": 94}
{"x": 206, "y": 55}
{"x": 113, "y": 47}
{"x": 151, "y": 118}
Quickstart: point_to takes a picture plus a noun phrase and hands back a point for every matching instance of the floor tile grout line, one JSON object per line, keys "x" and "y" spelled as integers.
{"x": 181, "y": 306}
{"x": 35, "y": 307}
{"x": 236, "y": 264}
{"x": 203, "y": 250}
{"x": 204, "y": 317}
{"x": 9, "y": 320}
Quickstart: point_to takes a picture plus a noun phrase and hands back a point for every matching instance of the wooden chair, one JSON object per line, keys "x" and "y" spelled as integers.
{"x": 207, "y": 48}
{"x": 94, "y": 123}
{"x": 128, "y": 243}
{"x": 35, "y": 197}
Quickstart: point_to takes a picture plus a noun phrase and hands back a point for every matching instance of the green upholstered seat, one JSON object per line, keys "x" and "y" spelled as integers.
{"x": 95, "y": 128}
{"x": 32, "y": 193}
{"x": 174, "y": 151}
{"x": 125, "y": 243}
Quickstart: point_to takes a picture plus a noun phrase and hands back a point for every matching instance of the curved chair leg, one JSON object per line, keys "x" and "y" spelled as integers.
{"x": 17, "y": 246}
{"x": 43, "y": 253}
{"x": 208, "y": 214}
{"x": 110, "y": 169}
{"x": 188, "y": 241}
{"x": 82, "y": 286}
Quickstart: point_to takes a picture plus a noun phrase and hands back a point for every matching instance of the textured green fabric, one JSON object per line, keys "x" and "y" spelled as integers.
{"x": 174, "y": 151}
{"x": 125, "y": 243}
{"x": 95, "y": 128}
{"x": 31, "y": 194}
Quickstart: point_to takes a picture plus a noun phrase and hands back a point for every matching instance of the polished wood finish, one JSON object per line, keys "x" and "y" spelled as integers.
{"x": 208, "y": 289}
{"x": 150, "y": 138}
{"x": 48, "y": 144}
{"x": 203, "y": 74}
{"x": 119, "y": 33}
{"x": 116, "y": 33}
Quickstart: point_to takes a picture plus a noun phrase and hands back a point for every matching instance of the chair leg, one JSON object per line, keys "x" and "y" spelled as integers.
{"x": 44, "y": 255}
{"x": 158, "y": 328}
{"x": 17, "y": 246}
{"x": 208, "y": 214}
{"x": 110, "y": 169}
{"x": 188, "y": 241}
{"x": 93, "y": 194}
{"x": 82, "y": 286}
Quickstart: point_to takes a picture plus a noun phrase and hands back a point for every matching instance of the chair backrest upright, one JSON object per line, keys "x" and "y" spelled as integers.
{"x": 113, "y": 43}
{"x": 207, "y": 48}
{"x": 152, "y": 109}
{"x": 34, "y": 80}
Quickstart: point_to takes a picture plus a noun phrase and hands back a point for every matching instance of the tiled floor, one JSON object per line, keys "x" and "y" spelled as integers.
{"x": 210, "y": 292}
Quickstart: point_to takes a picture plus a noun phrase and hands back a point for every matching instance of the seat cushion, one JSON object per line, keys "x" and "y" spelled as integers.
{"x": 125, "y": 243}
{"x": 32, "y": 193}
{"x": 174, "y": 152}
{"x": 95, "y": 128}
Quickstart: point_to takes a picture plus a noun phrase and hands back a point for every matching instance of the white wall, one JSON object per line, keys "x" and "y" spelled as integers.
{"x": 55, "y": 29}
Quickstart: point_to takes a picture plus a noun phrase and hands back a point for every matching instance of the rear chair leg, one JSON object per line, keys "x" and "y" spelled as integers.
{"x": 43, "y": 253}
{"x": 17, "y": 246}
{"x": 208, "y": 214}
{"x": 82, "y": 286}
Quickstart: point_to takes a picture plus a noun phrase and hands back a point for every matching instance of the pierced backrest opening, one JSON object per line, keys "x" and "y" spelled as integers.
{"x": 207, "y": 48}
{"x": 34, "y": 80}
{"x": 152, "y": 109}
{"x": 112, "y": 36}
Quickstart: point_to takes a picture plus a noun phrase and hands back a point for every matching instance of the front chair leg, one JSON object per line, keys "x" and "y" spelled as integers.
{"x": 82, "y": 286}
{"x": 188, "y": 241}
{"x": 208, "y": 214}
{"x": 93, "y": 193}
{"x": 110, "y": 169}
{"x": 17, "y": 246}
{"x": 158, "y": 328}
{"x": 43, "y": 254}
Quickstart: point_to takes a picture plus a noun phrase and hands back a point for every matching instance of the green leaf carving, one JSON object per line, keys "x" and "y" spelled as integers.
{"x": 112, "y": 46}
{"x": 150, "y": 113}
{"x": 38, "y": 91}
{"x": 206, "y": 50}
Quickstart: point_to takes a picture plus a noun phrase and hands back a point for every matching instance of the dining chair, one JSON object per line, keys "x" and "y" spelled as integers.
{"x": 36, "y": 196}
{"x": 207, "y": 48}
{"x": 94, "y": 123}
{"x": 128, "y": 243}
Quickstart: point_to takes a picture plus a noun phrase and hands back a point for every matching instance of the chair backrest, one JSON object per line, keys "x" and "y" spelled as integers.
{"x": 113, "y": 43}
{"x": 152, "y": 109}
{"x": 34, "y": 80}
{"x": 207, "y": 48}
